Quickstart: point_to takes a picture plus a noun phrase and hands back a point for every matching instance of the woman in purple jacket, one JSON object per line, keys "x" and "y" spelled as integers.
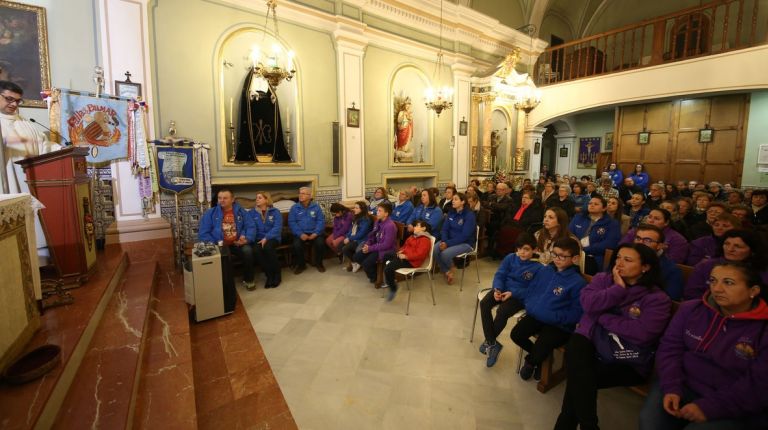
{"x": 713, "y": 359}
{"x": 381, "y": 241}
{"x": 342, "y": 222}
{"x": 628, "y": 302}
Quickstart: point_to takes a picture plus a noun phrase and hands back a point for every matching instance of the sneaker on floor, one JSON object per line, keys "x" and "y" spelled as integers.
{"x": 250, "y": 286}
{"x": 493, "y": 353}
{"x": 355, "y": 267}
{"x": 527, "y": 371}
{"x": 392, "y": 293}
{"x": 537, "y": 373}
{"x": 484, "y": 347}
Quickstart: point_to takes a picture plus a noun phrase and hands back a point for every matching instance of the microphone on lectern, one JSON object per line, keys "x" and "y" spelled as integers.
{"x": 66, "y": 142}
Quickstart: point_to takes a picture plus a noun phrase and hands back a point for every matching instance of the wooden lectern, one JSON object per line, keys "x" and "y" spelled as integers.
{"x": 60, "y": 181}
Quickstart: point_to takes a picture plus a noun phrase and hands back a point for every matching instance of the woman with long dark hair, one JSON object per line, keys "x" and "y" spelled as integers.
{"x": 362, "y": 222}
{"x": 625, "y": 306}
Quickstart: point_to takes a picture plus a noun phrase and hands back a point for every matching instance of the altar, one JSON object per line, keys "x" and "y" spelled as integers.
{"x": 19, "y": 276}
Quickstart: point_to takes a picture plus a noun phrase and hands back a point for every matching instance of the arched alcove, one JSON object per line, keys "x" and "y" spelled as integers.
{"x": 406, "y": 93}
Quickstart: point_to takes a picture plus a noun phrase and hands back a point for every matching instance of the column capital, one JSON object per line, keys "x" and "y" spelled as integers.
{"x": 350, "y": 36}
{"x": 534, "y": 131}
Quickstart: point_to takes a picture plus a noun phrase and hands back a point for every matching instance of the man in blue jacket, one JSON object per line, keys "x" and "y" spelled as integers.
{"x": 552, "y": 307}
{"x": 597, "y": 232}
{"x": 307, "y": 224}
{"x": 230, "y": 225}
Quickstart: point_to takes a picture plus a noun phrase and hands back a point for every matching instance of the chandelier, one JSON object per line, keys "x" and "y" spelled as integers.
{"x": 278, "y": 67}
{"x": 441, "y": 98}
{"x": 527, "y": 96}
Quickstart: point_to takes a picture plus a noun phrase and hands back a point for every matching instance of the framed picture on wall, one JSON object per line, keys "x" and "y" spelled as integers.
{"x": 353, "y": 117}
{"x": 608, "y": 146}
{"x": 643, "y": 137}
{"x": 564, "y": 152}
{"x": 536, "y": 147}
{"x": 24, "y": 50}
{"x": 462, "y": 127}
{"x": 128, "y": 89}
{"x": 705, "y": 135}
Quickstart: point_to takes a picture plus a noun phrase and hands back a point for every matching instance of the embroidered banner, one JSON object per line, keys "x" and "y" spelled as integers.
{"x": 176, "y": 168}
{"x": 589, "y": 147}
{"x": 100, "y": 123}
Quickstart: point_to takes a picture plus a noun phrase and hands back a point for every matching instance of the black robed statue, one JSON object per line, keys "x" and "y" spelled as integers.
{"x": 261, "y": 130}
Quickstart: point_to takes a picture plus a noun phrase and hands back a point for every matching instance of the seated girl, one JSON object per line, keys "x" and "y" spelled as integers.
{"x": 713, "y": 359}
{"x": 342, "y": 221}
{"x": 269, "y": 227}
{"x": 457, "y": 237}
{"x": 381, "y": 241}
{"x": 428, "y": 211}
{"x": 358, "y": 232}
{"x": 412, "y": 254}
{"x": 625, "y": 304}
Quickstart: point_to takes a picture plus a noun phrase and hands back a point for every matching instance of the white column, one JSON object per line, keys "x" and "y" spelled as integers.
{"x": 563, "y": 164}
{"x": 350, "y": 50}
{"x": 533, "y": 135}
{"x": 124, "y": 46}
{"x": 461, "y": 111}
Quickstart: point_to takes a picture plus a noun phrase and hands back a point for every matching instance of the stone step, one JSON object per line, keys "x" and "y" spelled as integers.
{"x": 104, "y": 389}
{"x": 166, "y": 396}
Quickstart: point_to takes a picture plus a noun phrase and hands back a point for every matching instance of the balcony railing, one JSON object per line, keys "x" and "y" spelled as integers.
{"x": 709, "y": 29}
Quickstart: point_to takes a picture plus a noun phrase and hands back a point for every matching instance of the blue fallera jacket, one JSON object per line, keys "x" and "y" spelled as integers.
{"x": 459, "y": 227}
{"x": 306, "y": 220}
{"x": 359, "y": 229}
{"x": 432, "y": 215}
{"x": 515, "y": 275}
{"x": 604, "y": 234}
{"x": 553, "y": 297}
{"x": 210, "y": 224}
{"x": 401, "y": 213}
{"x": 269, "y": 227}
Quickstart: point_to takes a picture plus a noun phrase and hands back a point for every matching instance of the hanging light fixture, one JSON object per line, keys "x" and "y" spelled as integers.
{"x": 527, "y": 96}
{"x": 441, "y": 98}
{"x": 279, "y": 65}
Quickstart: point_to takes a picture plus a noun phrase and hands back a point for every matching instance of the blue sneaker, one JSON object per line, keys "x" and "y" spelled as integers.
{"x": 493, "y": 353}
{"x": 484, "y": 347}
{"x": 527, "y": 371}
{"x": 392, "y": 293}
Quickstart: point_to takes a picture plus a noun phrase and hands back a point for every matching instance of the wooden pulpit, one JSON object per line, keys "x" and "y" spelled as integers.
{"x": 60, "y": 181}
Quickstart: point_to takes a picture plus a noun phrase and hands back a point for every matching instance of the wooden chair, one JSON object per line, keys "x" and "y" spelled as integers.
{"x": 426, "y": 267}
{"x": 687, "y": 270}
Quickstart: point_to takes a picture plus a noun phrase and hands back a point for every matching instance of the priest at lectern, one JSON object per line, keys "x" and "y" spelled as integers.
{"x": 21, "y": 139}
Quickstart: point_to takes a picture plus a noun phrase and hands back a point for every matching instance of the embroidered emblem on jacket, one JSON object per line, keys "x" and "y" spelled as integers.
{"x": 744, "y": 349}
{"x": 634, "y": 311}
{"x": 527, "y": 275}
{"x": 558, "y": 291}
{"x": 601, "y": 231}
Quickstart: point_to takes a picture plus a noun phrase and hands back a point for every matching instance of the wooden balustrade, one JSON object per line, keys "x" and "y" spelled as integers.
{"x": 716, "y": 27}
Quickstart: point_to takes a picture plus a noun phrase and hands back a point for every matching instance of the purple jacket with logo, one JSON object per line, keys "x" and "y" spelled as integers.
{"x": 342, "y": 224}
{"x": 383, "y": 238}
{"x": 723, "y": 359}
{"x": 644, "y": 311}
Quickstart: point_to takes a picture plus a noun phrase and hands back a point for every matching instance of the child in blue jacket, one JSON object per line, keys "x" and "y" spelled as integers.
{"x": 552, "y": 307}
{"x": 510, "y": 285}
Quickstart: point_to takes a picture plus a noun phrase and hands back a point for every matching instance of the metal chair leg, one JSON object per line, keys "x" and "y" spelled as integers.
{"x": 474, "y": 320}
{"x": 408, "y": 305}
{"x": 477, "y": 268}
{"x": 463, "y": 269}
{"x": 432, "y": 288}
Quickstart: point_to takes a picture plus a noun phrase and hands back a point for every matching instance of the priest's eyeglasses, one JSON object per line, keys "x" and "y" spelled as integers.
{"x": 12, "y": 100}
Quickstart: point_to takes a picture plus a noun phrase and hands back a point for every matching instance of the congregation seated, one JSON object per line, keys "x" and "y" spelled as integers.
{"x": 412, "y": 254}
{"x": 714, "y": 378}
{"x": 552, "y": 307}
{"x": 381, "y": 241}
{"x": 684, "y": 208}
{"x": 711, "y": 246}
{"x": 342, "y": 222}
{"x": 655, "y": 196}
{"x": 716, "y": 189}
{"x": 759, "y": 200}
{"x": 563, "y": 200}
{"x": 403, "y": 208}
{"x": 458, "y": 235}
{"x": 579, "y": 197}
{"x": 744, "y": 214}
{"x": 653, "y": 237}
{"x": 428, "y": 211}
{"x": 548, "y": 195}
{"x": 698, "y": 213}
{"x": 615, "y": 175}
{"x": 624, "y": 305}
{"x": 636, "y": 209}
{"x": 676, "y": 246}
{"x": 597, "y": 232}
{"x": 229, "y": 224}
{"x": 739, "y": 246}
{"x": 676, "y": 221}
{"x": 358, "y": 232}
{"x": 508, "y": 293}
{"x": 615, "y": 209}
{"x": 447, "y": 200}
{"x": 554, "y": 227}
{"x": 307, "y": 223}
{"x": 269, "y": 229}
{"x": 607, "y": 189}
{"x": 379, "y": 196}
{"x": 704, "y": 227}
{"x": 628, "y": 188}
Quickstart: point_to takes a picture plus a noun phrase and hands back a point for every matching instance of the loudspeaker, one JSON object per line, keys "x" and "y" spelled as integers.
{"x": 336, "y": 149}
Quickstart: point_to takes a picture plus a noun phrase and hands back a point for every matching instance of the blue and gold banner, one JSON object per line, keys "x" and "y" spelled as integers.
{"x": 175, "y": 166}
{"x": 100, "y": 123}
{"x": 589, "y": 147}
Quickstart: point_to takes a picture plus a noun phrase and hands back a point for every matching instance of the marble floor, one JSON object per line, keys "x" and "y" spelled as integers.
{"x": 346, "y": 359}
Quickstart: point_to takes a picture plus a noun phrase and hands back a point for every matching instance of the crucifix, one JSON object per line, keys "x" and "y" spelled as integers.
{"x": 127, "y": 76}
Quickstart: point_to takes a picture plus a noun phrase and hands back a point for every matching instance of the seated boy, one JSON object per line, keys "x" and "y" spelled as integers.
{"x": 552, "y": 307}
{"x": 510, "y": 284}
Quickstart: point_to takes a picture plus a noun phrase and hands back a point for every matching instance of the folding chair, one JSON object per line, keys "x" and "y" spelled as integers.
{"x": 467, "y": 255}
{"x": 518, "y": 316}
{"x": 426, "y": 267}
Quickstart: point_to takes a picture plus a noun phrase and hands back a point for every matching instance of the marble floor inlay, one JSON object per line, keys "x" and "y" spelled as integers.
{"x": 346, "y": 359}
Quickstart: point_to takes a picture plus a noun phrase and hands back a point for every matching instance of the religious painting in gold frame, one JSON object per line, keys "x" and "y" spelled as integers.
{"x": 24, "y": 50}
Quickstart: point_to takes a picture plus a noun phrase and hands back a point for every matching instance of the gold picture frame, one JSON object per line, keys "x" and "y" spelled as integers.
{"x": 24, "y": 57}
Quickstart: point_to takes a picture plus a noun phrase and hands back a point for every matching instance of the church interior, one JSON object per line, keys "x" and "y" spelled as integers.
{"x": 132, "y": 119}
